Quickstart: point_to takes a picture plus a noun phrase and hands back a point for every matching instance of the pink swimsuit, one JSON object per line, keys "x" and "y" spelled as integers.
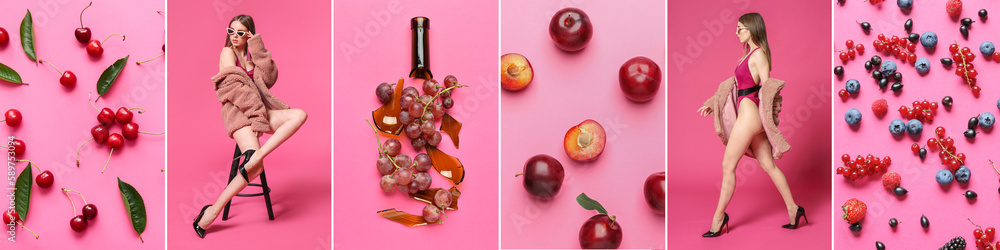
{"x": 745, "y": 88}
{"x": 249, "y": 73}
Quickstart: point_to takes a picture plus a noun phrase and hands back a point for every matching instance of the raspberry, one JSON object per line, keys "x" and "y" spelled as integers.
{"x": 880, "y": 107}
{"x": 954, "y": 7}
{"x": 891, "y": 180}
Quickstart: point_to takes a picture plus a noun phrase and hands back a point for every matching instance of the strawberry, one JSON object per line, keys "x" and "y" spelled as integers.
{"x": 854, "y": 210}
{"x": 891, "y": 180}
{"x": 880, "y": 107}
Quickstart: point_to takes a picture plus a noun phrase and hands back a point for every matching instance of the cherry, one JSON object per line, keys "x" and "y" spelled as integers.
{"x": 653, "y": 189}
{"x": 78, "y": 223}
{"x": 543, "y": 176}
{"x": 130, "y": 130}
{"x": 124, "y": 115}
{"x": 68, "y": 79}
{"x": 94, "y": 47}
{"x": 10, "y": 216}
{"x": 83, "y": 33}
{"x": 600, "y": 231}
{"x": 12, "y": 117}
{"x": 44, "y": 178}
{"x": 570, "y": 29}
{"x": 4, "y": 37}
{"x": 99, "y": 133}
{"x": 106, "y": 117}
{"x": 639, "y": 78}
{"x": 114, "y": 141}
{"x": 18, "y": 146}
{"x": 89, "y": 210}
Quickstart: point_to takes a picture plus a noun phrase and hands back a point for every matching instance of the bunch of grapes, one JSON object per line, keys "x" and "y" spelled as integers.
{"x": 419, "y": 112}
{"x": 399, "y": 171}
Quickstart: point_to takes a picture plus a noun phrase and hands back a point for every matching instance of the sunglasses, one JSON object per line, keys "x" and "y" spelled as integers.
{"x": 231, "y": 31}
{"x": 738, "y": 29}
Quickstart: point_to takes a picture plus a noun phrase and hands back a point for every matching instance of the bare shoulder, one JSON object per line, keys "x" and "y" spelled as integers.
{"x": 758, "y": 56}
{"x": 227, "y": 57}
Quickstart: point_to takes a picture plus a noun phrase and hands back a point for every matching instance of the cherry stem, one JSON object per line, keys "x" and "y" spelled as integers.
{"x": 154, "y": 58}
{"x": 519, "y": 174}
{"x": 71, "y": 202}
{"x": 92, "y": 103}
{"x": 141, "y": 110}
{"x": 77, "y": 193}
{"x": 31, "y": 163}
{"x": 148, "y": 133}
{"x": 53, "y": 66}
{"x": 613, "y": 220}
{"x": 78, "y": 151}
{"x": 25, "y": 228}
{"x": 109, "y": 160}
{"x": 109, "y": 36}
{"x": 161, "y": 12}
{"x": 994, "y": 166}
{"x": 81, "y": 13}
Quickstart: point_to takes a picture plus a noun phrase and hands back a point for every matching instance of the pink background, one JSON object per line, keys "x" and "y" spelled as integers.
{"x": 57, "y": 120}
{"x": 945, "y": 207}
{"x": 567, "y": 89}
{"x": 297, "y": 35}
{"x": 462, "y": 43}
{"x": 800, "y": 58}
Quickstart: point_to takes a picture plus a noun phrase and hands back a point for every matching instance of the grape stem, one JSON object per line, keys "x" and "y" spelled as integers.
{"x": 428, "y": 105}
{"x": 382, "y": 151}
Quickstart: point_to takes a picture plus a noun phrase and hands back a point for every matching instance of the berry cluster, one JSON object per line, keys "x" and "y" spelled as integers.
{"x": 100, "y": 132}
{"x": 862, "y": 166}
{"x": 397, "y": 169}
{"x": 851, "y": 50}
{"x": 80, "y": 221}
{"x": 420, "y": 111}
{"x": 964, "y": 57}
{"x": 948, "y": 155}
{"x": 899, "y": 47}
{"x": 984, "y": 238}
{"x": 984, "y": 120}
{"x": 923, "y": 111}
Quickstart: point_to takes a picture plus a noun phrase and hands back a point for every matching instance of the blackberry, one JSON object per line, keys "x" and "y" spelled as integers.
{"x": 955, "y": 243}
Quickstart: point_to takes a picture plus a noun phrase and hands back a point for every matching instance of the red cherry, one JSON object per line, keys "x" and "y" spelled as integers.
{"x": 45, "y": 179}
{"x": 68, "y": 79}
{"x": 130, "y": 130}
{"x": 19, "y": 146}
{"x": 94, "y": 49}
{"x": 115, "y": 141}
{"x": 83, "y": 33}
{"x": 90, "y": 211}
{"x": 4, "y": 37}
{"x": 78, "y": 223}
{"x": 10, "y": 216}
{"x": 100, "y": 133}
{"x": 106, "y": 117}
{"x": 123, "y": 115}
{"x": 12, "y": 117}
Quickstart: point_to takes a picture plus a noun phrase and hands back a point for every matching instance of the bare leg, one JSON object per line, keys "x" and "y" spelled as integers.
{"x": 747, "y": 125}
{"x": 762, "y": 149}
{"x": 284, "y": 123}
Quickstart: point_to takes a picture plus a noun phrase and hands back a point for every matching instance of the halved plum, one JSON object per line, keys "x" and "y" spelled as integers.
{"x": 584, "y": 142}
{"x": 515, "y": 72}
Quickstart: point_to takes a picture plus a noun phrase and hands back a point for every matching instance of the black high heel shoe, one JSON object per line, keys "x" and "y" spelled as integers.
{"x": 197, "y": 229}
{"x": 801, "y": 213}
{"x": 246, "y": 158}
{"x": 725, "y": 223}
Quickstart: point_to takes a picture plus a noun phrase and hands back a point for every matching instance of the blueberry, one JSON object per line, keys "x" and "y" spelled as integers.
{"x": 914, "y": 127}
{"x": 986, "y": 120}
{"x": 853, "y": 116}
{"x": 998, "y": 103}
{"x": 853, "y": 86}
{"x": 923, "y": 65}
{"x": 943, "y": 177}
{"x": 888, "y": 67}
{"x": 928, "y": 40}
{"x": 905, "y": 4}
{"x": 963, "y": 174}
{"x": 899, "y": 191}
{"x": 897, "y": 127}
{"x": 987, "y": 48}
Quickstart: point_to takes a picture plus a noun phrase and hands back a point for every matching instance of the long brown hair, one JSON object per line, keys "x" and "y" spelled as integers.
{"x": 758, "y": 33}
{"x": 246, "y": 21}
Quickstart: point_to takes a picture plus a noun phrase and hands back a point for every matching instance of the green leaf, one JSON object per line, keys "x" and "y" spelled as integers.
{"x": 8, "y": 74}
{"x": 110, "y": 75}
{"x": 590, "y": 204}
{"x": 22, "y": 193}
{"x": 28, "y": 36}
{"x": 134, "y": 205}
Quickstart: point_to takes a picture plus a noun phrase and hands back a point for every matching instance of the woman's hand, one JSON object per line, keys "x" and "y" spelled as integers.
{"x": 250, "y": 35}
{"x": 704, "y": 111}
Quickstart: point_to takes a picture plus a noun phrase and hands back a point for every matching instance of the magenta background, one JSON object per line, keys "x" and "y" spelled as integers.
{"x": 799, "y": 40}
{"x": 462, "y": 43}
{"x": 568, "y": 89}
{"x": 297, "y": 35}
{"x": 946, "y": 208}
{"x": 57, "y": 120}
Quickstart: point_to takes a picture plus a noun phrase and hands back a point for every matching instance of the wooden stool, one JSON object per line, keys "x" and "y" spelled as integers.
{"x": 265, "y": 190}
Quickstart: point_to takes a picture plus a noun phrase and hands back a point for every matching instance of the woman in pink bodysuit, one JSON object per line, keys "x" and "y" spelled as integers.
{"x": 748, "y": 131}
